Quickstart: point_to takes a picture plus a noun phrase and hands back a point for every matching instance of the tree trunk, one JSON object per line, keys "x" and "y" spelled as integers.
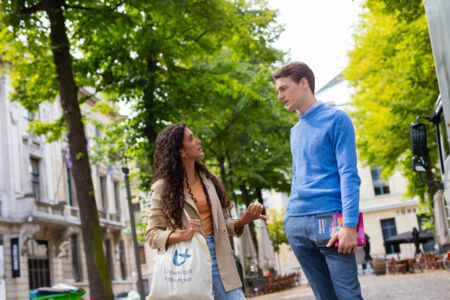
{"x": 97, "y": 269}
{"x": 230, "y": 178}
{"x": 149, "y": 107}
{"x": 223, "y": 173}
{"x": 260, "y": 199}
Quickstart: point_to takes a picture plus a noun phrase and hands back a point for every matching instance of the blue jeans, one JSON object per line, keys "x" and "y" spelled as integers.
{"x": 218, "y": 289}
{"x": 332, "y": 275}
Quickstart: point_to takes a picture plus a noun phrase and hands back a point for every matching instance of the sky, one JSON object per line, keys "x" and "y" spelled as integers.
{"x": 318, "y": 32}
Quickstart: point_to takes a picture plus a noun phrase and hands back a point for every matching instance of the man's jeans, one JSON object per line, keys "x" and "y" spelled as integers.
{"x": 332, "y": 275}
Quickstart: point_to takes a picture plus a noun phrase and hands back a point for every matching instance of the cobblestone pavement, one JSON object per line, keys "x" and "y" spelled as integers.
{"x": 429, "y": 285}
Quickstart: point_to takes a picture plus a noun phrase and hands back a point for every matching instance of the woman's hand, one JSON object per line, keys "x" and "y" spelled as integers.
{"x": 252, "y": 213}
{"x": 192, "y": 227}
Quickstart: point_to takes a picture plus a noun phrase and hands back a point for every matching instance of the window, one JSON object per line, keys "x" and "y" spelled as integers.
{"x": 444, "y": 137}
{"x": 136, "y": 207}
{"x": 109, "y": 261}
{"x": 389, "y": 229}
{"x": 141, "y": 250}
{"x": 31, "y": 116}
{"x": 423, "y": 220}
{"x": 97, "y": 135}
{"x": 35, "y": 186}
{"x": 123, "y": 265}
{"x": 76, "y": 266}
{"x": 97, "y": 131}
{"x": 38, "y": 264}
{"x": 69, "y": 186}
{"x": 380, "y": 188}
{"x": 117, "y": 195}
{"x": 146, "y": 286}
{"x": 103, "y": 195}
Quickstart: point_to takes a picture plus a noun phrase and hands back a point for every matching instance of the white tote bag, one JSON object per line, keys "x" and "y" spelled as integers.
{"x": 183, "y": 271}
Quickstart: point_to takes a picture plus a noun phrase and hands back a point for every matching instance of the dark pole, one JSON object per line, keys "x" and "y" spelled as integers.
{"x": 140, "y": 285}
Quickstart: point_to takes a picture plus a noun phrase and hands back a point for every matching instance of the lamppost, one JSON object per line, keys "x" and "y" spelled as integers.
{"x": 126, "y": 171}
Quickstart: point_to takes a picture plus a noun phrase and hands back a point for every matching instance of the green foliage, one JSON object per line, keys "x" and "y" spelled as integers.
{"x": 244, "y": 131}
{"x": 203, "y": 62}
{"x": 164, "y": 58}
{"x": 27, "y": 46}
{"x": 53, "y": 130}
{"x": 276, "y": 229}
{"x": 392, "y": 70}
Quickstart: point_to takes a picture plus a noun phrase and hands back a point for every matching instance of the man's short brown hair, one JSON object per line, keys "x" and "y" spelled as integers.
{"x": 296, "y": 70}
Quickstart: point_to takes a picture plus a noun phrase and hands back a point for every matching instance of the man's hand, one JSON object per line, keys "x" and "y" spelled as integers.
{"x": 347, "y": 238}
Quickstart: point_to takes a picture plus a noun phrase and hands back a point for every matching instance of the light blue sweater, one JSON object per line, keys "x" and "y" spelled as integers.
{"x": 324, "y": 165}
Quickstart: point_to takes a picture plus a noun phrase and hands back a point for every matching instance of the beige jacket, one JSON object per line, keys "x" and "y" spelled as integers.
{"x": 157, "y": 232}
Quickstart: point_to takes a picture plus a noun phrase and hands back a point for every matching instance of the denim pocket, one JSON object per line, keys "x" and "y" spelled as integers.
{"x": 324, "y": 228}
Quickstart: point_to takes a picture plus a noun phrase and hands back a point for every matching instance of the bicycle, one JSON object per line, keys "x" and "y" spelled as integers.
{"x": 446, "y": 261}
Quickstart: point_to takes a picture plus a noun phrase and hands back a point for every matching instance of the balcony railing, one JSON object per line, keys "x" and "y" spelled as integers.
{"x": 63, "y": 212}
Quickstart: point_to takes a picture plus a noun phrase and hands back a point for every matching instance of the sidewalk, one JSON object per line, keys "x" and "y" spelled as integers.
{"x": 426, "y": 285}
{"x": 302, "y": 292}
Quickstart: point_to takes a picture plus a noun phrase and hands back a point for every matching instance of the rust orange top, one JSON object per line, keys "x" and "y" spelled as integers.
{"x": 202, "y": 206}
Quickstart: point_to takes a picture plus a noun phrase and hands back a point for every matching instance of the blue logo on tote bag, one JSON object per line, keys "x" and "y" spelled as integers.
{"x": 184, "y": 256}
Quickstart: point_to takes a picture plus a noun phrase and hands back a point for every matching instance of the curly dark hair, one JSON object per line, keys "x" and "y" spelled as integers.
{"x": 169, "y": 167}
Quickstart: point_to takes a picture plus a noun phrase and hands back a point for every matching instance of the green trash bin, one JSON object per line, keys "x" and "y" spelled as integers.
{"x": 74, "y": 295}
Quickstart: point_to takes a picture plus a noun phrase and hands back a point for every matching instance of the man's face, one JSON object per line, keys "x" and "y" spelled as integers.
{"x": 291, "y": 92}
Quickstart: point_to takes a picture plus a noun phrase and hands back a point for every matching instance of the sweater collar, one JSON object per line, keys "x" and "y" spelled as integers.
{"x": 311, "y": 111}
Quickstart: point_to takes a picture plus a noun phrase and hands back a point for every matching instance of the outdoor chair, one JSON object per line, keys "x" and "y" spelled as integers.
{"x": 286, "y": 282}
{"x": 431, "y": 261}
{"x": 265, "y": 289}
{"x": 392, "y": 266}
{"x": 278, "y": 284}
{"x": 414, "y": 264}
{"x": 292, "y": 280}
{"x": 402, "y": 267}
{"x": 419, "y": 263}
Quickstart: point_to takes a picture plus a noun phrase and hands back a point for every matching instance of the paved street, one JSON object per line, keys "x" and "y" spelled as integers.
{"x": 428, "y": 285}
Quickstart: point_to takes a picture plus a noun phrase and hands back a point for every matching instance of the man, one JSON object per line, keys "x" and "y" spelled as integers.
{"x": 325, "y": 182}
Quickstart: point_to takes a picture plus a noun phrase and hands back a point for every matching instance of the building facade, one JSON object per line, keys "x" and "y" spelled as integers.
{"x": 40, "y": 230}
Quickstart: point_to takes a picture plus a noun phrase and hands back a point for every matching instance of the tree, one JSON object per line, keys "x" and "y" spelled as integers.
{"x": 40, "y": 44}
{"x": 392, "y": 70}
{"x": 162, "y": 58}
{"x": 155, "y": 56}
{"x": 276, "y": 230}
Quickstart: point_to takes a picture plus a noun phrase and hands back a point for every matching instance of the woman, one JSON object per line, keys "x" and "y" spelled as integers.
{"x": 180, "y": 182}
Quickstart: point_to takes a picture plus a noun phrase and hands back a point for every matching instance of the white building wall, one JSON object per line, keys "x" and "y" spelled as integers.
{"x": 52, "y": 215}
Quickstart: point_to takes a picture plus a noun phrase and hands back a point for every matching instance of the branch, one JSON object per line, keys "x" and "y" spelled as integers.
{"x": 66, "y": 6}
{"x": 184, "y": 32}
{"x": 30, "y": 10}
{"x": 88, "y": 95}
{"x": 200, "y": 36}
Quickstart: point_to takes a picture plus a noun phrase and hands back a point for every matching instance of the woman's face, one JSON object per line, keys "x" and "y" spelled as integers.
{"x": 191, "y": 146}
